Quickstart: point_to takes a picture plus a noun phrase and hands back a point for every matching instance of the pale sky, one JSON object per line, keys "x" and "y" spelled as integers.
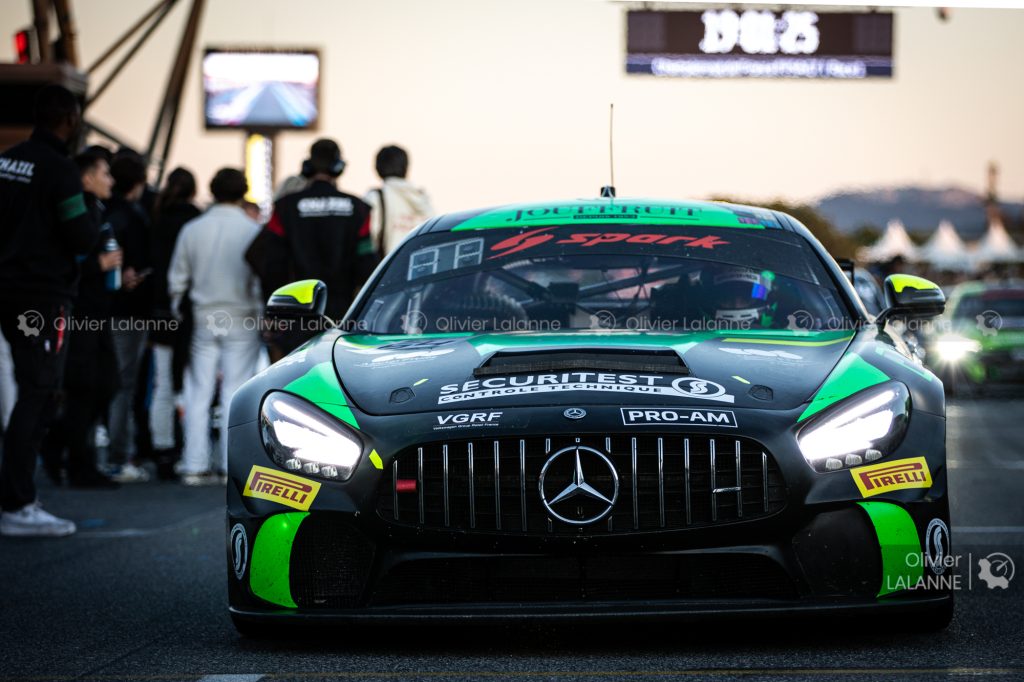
{"x": 507, "y": 100}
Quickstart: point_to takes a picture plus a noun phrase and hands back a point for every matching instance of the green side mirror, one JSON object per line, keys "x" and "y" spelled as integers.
{"x": 907, "y": 296}
{"x": 306, "y": 298}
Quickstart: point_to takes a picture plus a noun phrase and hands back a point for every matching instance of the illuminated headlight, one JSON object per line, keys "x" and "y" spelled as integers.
{"x": 953, "y": 348}
{"x": 861, "y": 429}
{"x": 303, "y": 438}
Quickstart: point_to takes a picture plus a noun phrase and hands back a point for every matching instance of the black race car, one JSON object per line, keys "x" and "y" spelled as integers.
{"x": 591, "y": 409}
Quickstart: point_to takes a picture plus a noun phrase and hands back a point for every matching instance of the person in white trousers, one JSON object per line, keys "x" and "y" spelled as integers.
{"x": 8, "y": 387}
{"x": 209, "y": 264}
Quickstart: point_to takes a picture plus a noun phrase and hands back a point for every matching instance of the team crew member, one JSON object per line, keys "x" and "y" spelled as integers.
{"x": 91, "y": 367}
{"x": 132, "y": 307}
{"x": 398, "y": 206}
{"x": 321, "y": 233}
{"x": 208, "y": 263}
{"x": 173, "y": 210}
{"x": 44, "y": 229}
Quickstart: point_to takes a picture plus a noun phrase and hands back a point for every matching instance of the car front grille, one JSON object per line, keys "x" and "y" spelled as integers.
{"x": 665, "y": 482}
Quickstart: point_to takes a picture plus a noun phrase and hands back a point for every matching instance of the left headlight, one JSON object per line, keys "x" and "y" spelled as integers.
{"x": 862, "y": 428}
{"x": 300, "y": 436}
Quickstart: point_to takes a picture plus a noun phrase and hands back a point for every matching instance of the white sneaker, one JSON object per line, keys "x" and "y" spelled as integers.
{"x": 129, "y": 473}
{"x": 32, "y": 521}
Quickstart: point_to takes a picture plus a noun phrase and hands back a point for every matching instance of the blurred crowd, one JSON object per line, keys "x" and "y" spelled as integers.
{"x": 127, "y": 310}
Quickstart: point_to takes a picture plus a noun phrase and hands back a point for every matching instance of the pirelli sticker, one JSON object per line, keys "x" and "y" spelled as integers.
{"x": 281, "y": 487}
{"x": 888, "y": 476}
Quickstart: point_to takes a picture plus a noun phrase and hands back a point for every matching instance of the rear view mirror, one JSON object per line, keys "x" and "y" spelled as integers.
{"x": 306, "y": 298}
{"x": 907, "y": 296}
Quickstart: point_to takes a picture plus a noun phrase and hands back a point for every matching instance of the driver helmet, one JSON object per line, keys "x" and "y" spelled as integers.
{"x": 741, "y": 296}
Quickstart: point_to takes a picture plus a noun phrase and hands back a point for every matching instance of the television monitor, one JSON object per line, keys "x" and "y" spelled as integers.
{"x": 255, "y": 89}
{"x": 759, "y": 42}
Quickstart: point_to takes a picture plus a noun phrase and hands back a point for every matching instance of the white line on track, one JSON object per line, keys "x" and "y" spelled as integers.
{"x": 231, "y": 678}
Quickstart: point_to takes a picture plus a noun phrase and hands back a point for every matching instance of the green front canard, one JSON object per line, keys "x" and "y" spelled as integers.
{"x": 269, "y": 577}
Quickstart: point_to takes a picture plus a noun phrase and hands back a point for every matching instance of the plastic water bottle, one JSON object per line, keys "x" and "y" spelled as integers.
{"x": 113, "y": 276}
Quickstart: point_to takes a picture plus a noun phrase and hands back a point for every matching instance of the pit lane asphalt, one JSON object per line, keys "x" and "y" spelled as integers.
{"x": 139, "y": 594}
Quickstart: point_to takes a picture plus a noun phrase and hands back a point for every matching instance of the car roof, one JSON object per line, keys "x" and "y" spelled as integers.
{"x": 974, "y": 288}
{"x": 610, "y": 211}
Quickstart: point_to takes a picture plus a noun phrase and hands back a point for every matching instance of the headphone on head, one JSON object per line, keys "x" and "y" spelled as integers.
{"x": 336, "y": 168}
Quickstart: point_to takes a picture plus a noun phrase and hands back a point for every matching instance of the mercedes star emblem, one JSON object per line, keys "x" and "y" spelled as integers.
{"x": 575, "y": 413}
{"x": 593, "y": 500}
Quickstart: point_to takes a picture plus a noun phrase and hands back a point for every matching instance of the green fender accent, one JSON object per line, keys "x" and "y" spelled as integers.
{"x": 897, "y": 540}
{"x": 320, "y": 387}
{"x": 896, "y": 356}
{"x": 271, "y": 557}
{"x": 973, "y": 369}
{"x": 852, "y": 374}
{"x": 901, "y": 282}
{"x": 375, "y": 458}
{"x": 301, "y": 291}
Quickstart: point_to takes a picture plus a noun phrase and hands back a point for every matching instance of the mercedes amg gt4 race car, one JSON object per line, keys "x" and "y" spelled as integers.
{"x": 598, "y": 408}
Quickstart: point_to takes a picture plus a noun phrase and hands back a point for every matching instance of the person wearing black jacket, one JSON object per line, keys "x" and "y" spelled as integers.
{"x": 172, "y": 210}
{"x": 132, "y": 309}
{"x": 320, "y": 233}
{"x": 90, "y": 378}
{"x": 44, "y": 228}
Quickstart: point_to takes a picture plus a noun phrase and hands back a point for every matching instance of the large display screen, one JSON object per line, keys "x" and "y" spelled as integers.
{"x": 261, "y": 89}
{"x": 760, "y": 43}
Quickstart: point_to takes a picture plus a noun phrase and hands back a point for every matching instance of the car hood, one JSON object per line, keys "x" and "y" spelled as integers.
{"x": 776, "y": 370}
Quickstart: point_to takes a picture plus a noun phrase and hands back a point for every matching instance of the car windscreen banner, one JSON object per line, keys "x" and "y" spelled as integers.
{"x": 438, "y": 256}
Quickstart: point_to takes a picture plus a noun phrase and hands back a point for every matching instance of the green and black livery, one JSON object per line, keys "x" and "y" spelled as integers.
{"x": 724, "y": 472}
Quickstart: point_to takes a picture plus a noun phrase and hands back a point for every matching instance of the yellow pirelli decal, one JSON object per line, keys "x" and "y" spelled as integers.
{"x": 888, "y": 476}
{"x": 281, "y": 487}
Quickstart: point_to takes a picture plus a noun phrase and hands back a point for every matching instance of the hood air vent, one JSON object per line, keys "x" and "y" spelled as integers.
{"x": 643, "y": 360}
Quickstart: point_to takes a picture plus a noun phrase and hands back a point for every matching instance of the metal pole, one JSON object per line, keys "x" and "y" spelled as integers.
{"x": 41, "y": 20}
{"x": 68, "y": 35}
{"x": 128, "y": 34}
{"x": 103, "y": 132}
{"x": 172, "y": 97}
{"x": 131, "y": 53}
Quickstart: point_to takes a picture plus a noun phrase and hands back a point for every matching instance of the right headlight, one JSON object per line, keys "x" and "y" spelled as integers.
{"x": 863, "y": 428}
{"x": 301, "y": 437}
{"x": 952, "y": 348}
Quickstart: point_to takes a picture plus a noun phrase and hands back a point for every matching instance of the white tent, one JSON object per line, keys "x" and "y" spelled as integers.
{"x": 944, "y": 250}
{"x": 894, "y": 242}
{"x": 996, "y": 246}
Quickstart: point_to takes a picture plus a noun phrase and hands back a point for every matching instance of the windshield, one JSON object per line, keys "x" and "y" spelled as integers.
{"x": 661, "y": 279}
{"x": 1007, "y": 304}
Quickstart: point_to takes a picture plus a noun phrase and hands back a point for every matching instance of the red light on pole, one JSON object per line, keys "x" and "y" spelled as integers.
{"x": 23, "y": 45}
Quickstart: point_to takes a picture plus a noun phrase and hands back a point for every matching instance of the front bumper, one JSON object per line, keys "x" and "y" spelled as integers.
{"x": 829, "y": 551}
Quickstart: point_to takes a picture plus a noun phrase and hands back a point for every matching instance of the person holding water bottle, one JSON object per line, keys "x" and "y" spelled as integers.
{"x": 90, "y": 375}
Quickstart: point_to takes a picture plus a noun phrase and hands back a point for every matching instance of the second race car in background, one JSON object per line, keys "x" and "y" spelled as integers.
{"x": 979, "y": 342}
